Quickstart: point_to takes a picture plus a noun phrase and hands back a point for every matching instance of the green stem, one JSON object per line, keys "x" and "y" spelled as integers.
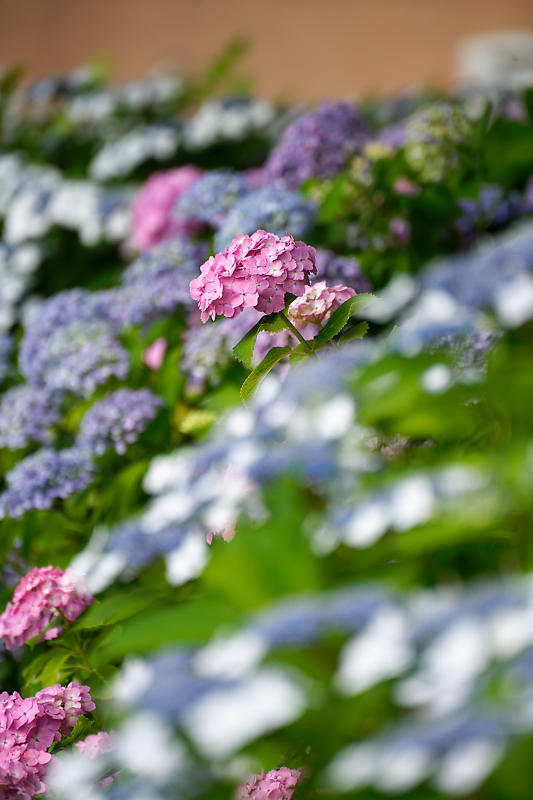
{"x": 290, "y": 327}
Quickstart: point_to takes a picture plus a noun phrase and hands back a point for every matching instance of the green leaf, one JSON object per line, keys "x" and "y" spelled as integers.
{"x": 354, "y": 332}
{"x": 244, "y": 349}
{"x": 340, "y": 317}
{"x": 262, "y": 369}
{"x": 299, "y": 353}
{"x": 273, "y": 323}
{"x": 115, "y": 608}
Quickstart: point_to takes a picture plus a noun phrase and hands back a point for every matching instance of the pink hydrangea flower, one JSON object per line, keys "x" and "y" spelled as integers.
{"x": 278, "y": 784}
{"x": 151, "y": 209}
{"x": 28, "y": 727}
{"x": 318, "y": 303}
{"x": 42, "y": 596}
{"x": 155, "y": 353}
{"x": 253, "y": 272}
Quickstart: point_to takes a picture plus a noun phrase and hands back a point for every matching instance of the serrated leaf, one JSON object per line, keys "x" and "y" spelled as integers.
{"x": 340, "y": 317}
{"x": 262, "y": 369}
{"x": 244, "y": 349}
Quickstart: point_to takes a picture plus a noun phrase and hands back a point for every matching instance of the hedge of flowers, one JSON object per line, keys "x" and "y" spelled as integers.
{"x": 265, "y": 443}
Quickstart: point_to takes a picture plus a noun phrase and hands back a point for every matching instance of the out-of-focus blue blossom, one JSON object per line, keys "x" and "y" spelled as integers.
{"x": 28, "y": 414}
{"x": 69, "y": 344}
{"x": 270, "y": 208}
{"x": 211, "y": 197}
{"x": 207, "y": 348}
{"x": 18, "y": 264}
{"x": 318, "y": 144}
{"x": 117, "y": 420}
{"x": 119, "y": 157}
{"x": 491, "y": 210}
{"x": 230, "y": 119}
{"x": 156, "y": 283}
{"x": 77, "y": 358}
{"x": 347, "y": 270}
{"x": 175, "y": 254}
{"x": 40, "y": 479}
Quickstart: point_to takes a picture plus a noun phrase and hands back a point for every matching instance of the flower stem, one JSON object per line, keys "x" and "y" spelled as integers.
{"x": 290, "y": 327}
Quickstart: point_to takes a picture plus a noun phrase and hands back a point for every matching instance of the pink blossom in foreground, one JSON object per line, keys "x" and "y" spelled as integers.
{"x": 318, "y": 303}
{"x": 155, "y": 353}
{"x": 278, "y": 784}
{"x": 96, "y": 745}
{"x": 28, "y": 728}
{"x": 253, "y": 272}
{"x": 42, "y": 596}
{"x": 152, "y": 206}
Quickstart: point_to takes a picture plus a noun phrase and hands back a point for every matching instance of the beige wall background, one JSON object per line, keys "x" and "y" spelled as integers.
{"x": 306, "y": 49}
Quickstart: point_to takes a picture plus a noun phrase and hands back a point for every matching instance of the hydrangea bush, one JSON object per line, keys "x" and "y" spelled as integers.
{"x": 265, "y": 443}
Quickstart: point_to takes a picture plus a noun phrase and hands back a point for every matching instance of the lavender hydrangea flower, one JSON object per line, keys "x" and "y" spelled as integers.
{"x": 317, "y": 144}
{"x": 77, "y": 358}
{"x": 117, "y": 420}
{"x": 211, "y": 197}
{"x": 333, "y": 268}
{"x": 27, "y": 414}
{"x": 45, "y": 476}
{"x": 271, "y": 209}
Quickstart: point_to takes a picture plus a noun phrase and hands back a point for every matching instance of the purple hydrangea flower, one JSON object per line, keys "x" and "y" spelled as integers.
{"x": 317, "y": 144}
{"x": 45, "y": 476}
{"x": 27, "y": 414}
{"x": 211, "y": 197}
{"x": 270, "y": 208}
{"x": 333, "y": 268}
{"x": 117, "y": 420}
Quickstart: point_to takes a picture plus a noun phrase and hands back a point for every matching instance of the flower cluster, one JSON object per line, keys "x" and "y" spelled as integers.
{"x": 29, "y": 726}
{"x": 278, "y": 784}
{"x": 118, "y": 157}
{"x": 78, "y": 358}
{"x": 151, "y": 209}
{"x": 253, "y": 272}
{"x": 44, "y": 595}
{"x": 95, "y": 744}
{"x": 117, "y": 420}
{"x": 318, "y": 303}
{"x": 27, "y": 414}
{"x": 210, "y": 198}
{"x": 45, "y": 476}
{"x": 492, "y": 209}
{"x": 270, "y": 208}
{"x": 317, "y": 144}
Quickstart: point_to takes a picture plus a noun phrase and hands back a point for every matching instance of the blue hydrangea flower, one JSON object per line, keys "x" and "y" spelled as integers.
{"x": 77, "y": 358}
{"x": 211, "y": 197}
{"x": 46, "y": 319}
{"x": 117, "y": 420}
{"x": 177, "y": 254}
{"x": 40, "y": 479}
{"x": 271, "y": 209}
{"x": 317, "y": 144}
{"x": 347, "y": 270}
{"x": 156, "y": 283}
{"x": 27, "y": 414}
{"x": 491, "y": 210}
